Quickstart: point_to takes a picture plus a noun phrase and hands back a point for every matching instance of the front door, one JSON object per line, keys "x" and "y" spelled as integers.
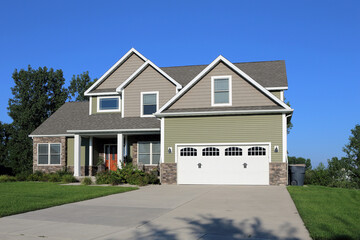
{"x": 111, "y": 157}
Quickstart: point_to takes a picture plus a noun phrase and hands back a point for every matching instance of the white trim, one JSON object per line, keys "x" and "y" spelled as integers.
{"x": 111, "y": 110}
{"x": 115, "y": 130}
{"x": 52, "y": 135}
{"x": 112, "y": 69}
{"x": 233, "y": 67}
{"x": 284, "y": 137}
{"x": 122, "y": 102}
{"x": 90, "y": 105}
{"x": 91, "y": 150}
{"x": 77, "y": 155}
{"x": 141, "y": 103}
{"x": 120, "y": 146}
{"x": 102, "y": 94}
{"x": 142, "y": 68}
{"x": 213, "y": 78}
{"x": 49, "y": 154}
{"x": 162, "y": 140}
{"x": 276, "y": 88}
{"x": 232, "y": 112}
{"x": 282, "y": 95}
{"x": 151, "y": 152}
{"x": 222, "y": 144}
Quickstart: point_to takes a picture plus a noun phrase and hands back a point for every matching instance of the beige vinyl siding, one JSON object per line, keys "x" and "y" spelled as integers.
{"x": 224, "y": 129}
{"x": 122, "y": 73}
{"x": 149, "y": 80}
{"x": 243, "y": 93}
{"x": 94, "y": 105}
{"x": 84, "y": 152}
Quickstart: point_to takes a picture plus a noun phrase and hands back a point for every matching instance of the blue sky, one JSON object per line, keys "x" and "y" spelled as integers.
{"x": 318, "y": 39}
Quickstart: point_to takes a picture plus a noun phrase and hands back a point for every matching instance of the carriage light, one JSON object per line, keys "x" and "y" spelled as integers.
{"x": 276, "y": 149}
{"x": 169, "y": 149}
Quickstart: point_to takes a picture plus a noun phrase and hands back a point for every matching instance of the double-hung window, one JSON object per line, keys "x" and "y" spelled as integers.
{"x": 149, "y": 153}
{"x": 49, "y": 153}
{"x": 108, "y": 104}
{"x": 221, "y": 94}
{"x": 149, "y": 103}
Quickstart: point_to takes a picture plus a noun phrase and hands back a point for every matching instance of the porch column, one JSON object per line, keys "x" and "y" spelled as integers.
{"x": 120, "y": 144}
{"x": 91, "y": 151}
{"x": 77, "y": 155}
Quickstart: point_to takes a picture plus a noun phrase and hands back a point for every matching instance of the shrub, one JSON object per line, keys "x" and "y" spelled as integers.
{"x": 68, "y": 178}
{"x": 86, "y": 181}
{"x": 53, "y": 177}
{"x": 22, "y": 176}
{"x": 103, "y": 177}
{"x": 36, "y": 176}
{"x": 7, "y": 178}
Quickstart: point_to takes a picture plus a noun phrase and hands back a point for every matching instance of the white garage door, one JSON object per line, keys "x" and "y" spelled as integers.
{"x": 223, "y": 164}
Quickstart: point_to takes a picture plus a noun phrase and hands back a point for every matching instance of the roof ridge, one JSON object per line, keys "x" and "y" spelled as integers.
{"x": 232, "y": 63}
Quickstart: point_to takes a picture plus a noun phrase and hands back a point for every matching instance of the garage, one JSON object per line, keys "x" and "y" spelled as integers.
{"x": 243, "y": 164}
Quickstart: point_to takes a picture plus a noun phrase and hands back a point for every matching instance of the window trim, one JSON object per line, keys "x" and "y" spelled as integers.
{"x": 151, "y": 152}
{"x": 213, "y": 78}
{"x": 109, "y": 110}
{"x": 142, "y": 106}
{"x": 49, "y": 155}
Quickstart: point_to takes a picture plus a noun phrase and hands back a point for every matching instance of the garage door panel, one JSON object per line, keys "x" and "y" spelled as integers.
{"x": 222, "y": 169}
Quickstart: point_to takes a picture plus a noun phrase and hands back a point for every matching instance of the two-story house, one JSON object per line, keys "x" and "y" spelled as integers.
{"x": 222, "y": 123}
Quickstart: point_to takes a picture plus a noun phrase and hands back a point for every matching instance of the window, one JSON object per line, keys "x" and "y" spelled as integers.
{"x": 188, "y": 152}
{"x": 210, "y": 151}
{"x": 149, "y": 153}
{"x": 149, "y": 102}
{"x": 49, "y": 153}
{"x": 108, "y": 104}
{"x": 257, "y": 151}
{"x": 233, "y": 151}
{"x": 221, "y": 91}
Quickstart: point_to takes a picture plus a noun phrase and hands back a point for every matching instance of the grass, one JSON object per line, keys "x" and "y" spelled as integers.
{"x": 19, "y": 197}
{"x": 328, "y": 213}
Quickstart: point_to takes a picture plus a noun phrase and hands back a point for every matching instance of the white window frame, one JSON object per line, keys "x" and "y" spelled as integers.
{"x": 109, "y": 110}
{"x": 142, "y": 106}
{"x": 49, "y": 155}
{"x": 151, "y": 153}
{"x": 213, "y": 78}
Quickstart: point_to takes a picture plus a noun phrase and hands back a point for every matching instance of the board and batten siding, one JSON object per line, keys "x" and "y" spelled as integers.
{"x": 243, "y": 93}
{"x": 223, "y": 129}
{"x": 122, "y": 73}
{"x": 149, "y": 80}
{"x": 84, "y": 152}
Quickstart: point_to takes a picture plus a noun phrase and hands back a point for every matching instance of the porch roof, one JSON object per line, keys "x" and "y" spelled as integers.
{"x": 75, "y": 116}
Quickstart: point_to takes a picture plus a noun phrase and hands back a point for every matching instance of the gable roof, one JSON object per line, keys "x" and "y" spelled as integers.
{"x": 111, "y": 70}
{"x": 234, "y": 68}
{"x": 270, "y": 74}
{"x": 141, "y": 69}
{"x": 74, "y": 117}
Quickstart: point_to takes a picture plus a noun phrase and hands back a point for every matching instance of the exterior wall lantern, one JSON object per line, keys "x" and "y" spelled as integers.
{"x": 169, "y": 149}
{"x": 276, "y": 149}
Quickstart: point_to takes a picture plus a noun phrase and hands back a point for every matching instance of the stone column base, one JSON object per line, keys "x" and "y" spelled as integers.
{"x": 168, "y": 173}
{"x": 278, "y": 173}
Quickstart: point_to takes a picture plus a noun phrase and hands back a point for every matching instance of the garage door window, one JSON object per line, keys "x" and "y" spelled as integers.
{"x": 233, "y": 151}
{"x": 188, "y": 152}
{"x": 149, "y": 153}
{"x": 257, "y": 151}
{"x": 210, "y": 151}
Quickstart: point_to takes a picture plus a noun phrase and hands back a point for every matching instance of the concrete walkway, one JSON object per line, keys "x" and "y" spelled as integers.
{"x": 167, "y": 212}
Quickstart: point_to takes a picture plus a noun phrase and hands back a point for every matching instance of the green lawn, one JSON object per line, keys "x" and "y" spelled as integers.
{"x": 328, "y": 213}
{"x": 19, "y": 197}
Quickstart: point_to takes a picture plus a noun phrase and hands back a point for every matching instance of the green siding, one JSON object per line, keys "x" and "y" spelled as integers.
{"x": 84, "y": 151}
{"x": 224, "y": 129}
{"x": 276, "y": 93}
{"x": 94, "y": 105}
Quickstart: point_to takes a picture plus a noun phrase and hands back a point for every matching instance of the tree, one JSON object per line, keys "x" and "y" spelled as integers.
{"x": 300, "y": 160}
{"x": 289, "y": 123}
{"x": 4, "y": 153}
{"x": 352, "y": 158}
{"x": 36, "y": 95}
{"x": 78, "y": 85}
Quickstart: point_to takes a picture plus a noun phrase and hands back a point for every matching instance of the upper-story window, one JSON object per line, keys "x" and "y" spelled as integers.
{"x": 221, "y": 94}
{"x": 149, "y": 103}
{"x": 108, "y": 104}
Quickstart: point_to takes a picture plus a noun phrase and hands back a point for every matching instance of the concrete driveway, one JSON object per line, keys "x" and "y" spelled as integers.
{"x": 167, "y": 212}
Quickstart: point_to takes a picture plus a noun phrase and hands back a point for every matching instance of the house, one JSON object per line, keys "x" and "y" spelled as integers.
{"x": 222, "y": 123}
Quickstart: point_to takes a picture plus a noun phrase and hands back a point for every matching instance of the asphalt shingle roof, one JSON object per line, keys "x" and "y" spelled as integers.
{"x": 217, "y": 109}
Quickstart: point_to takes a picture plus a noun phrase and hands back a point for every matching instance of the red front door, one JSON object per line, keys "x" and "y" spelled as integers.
{"x": 111, "y": 157}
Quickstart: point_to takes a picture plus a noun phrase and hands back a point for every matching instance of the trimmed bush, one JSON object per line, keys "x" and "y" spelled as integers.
{"x": 53, "y": 177}
{"x": 68, "y": 179}
{"x": 7, "y": 178}
{"x": 86, "y": 181}
{"x": 21, "y": 176}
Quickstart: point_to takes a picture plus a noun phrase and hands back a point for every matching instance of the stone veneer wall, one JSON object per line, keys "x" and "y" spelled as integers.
{"x": 49, "y": 168}
{"x": 278, "y": 173}
{"x": 168, "y": 173}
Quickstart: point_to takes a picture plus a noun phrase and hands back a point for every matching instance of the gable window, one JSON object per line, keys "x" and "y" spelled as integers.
{"x": 257, "y": 151}
{"x": 108, "y": 104}
{"x": 149, "y": 103}
{"x": 188, "y": 152}
{"x": 149, "y": 153}
{"x": 221, "y": 91}
{"x": 49, "y": 153}
{"x": 210, "y": 151}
